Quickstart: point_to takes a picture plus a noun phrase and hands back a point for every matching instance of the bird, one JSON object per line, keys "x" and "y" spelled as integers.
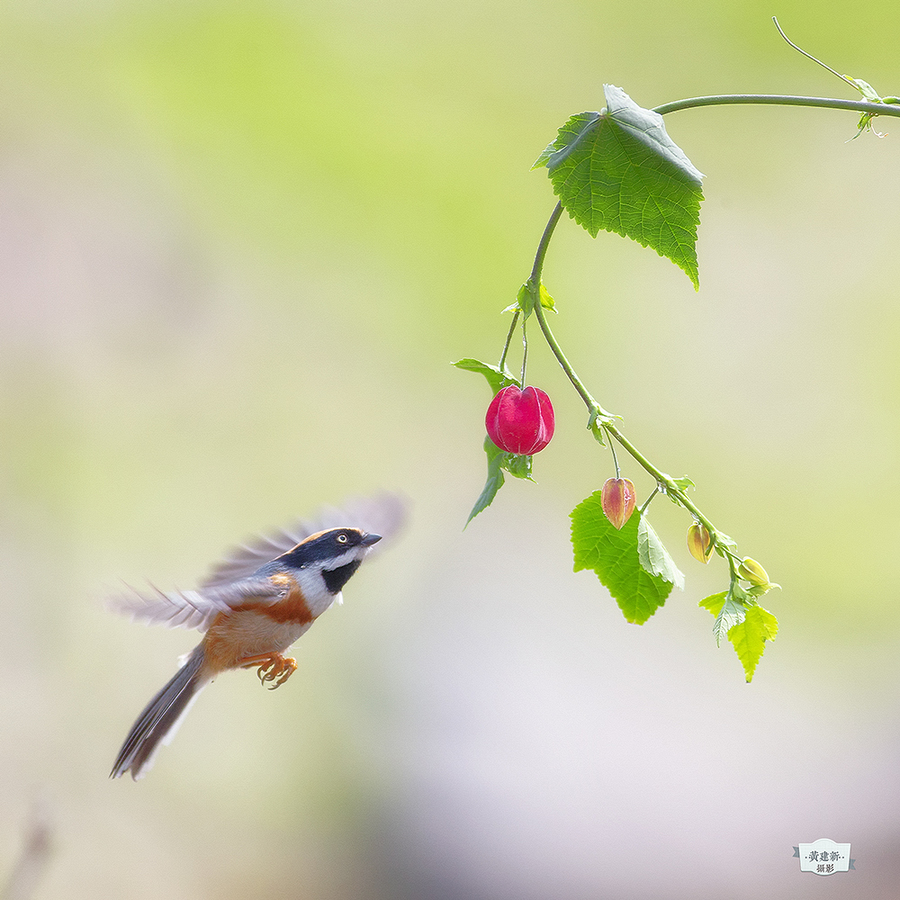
{"x": 254, "y": 604}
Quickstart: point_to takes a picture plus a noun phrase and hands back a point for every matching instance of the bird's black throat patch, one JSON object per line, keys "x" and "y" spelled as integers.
{"x": 335, "y": 579}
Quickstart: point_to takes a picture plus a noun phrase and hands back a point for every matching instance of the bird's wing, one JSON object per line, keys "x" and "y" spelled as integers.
{"x": 383, "y": 514}
{"x": 195, "y": 609}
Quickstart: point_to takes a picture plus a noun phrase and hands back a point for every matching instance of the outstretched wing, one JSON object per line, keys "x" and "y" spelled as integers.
{"x": 194, "y": 609}
{"x": 383, "y": 514}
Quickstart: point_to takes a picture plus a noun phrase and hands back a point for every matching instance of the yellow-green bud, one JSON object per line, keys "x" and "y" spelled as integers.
{"x": 699, "y": 542}
{"x": 750, "y": 570}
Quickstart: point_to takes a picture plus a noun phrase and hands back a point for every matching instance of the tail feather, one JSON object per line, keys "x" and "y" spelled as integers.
{"x": 157, "y": 724}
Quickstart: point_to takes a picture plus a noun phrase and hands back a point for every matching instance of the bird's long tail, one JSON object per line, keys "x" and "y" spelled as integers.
{"x": 157, "y": 724}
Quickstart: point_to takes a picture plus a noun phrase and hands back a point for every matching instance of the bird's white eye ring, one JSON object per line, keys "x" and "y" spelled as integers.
{"x": 342, "y": 538}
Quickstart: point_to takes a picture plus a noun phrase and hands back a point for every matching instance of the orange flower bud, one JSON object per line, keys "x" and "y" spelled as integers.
{"x": 617, "y": 500}
{"x": 699, "y": 542}
{"x": 750, "y": 570}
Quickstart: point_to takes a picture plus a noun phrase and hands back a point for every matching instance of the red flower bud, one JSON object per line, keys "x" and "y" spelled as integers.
{"x": 699, "y": 542}
{"x": 520, "y": 422}
{"x": 617, "y": 500}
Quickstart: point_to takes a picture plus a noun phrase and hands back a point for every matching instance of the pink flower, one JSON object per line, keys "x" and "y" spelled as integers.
{"x": 520, "y": 422}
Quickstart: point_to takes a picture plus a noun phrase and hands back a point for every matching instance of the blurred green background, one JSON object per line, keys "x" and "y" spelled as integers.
{"x": 240, "y": 244}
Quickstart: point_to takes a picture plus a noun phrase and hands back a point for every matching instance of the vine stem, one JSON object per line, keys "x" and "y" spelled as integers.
{"x": 597, "y": 413}
{"x": 860, "y": 106}
{"x": 538, "y": 266}
{"x": 535, "y": 285}
{"x": 512, "y": 330}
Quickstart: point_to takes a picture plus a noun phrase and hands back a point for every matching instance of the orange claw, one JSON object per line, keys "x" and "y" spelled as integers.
{"x": 271, "y": 667}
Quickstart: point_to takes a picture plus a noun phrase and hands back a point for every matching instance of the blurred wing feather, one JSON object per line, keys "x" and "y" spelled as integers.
{"x": 384, "y": 514}
{"x": 194, "y": 609}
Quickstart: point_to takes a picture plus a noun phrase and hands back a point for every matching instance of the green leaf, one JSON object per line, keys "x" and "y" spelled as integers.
{"x": 499, "y": 460}
{"x": 523, "y": 301}
{"x": 494, "y": 481}
{"x": 683, "y": 483}
{"x": 517, "y": 465}
{"x": 545, "y": 156}
{"x": 654, "y": 557}
{"x": 613, "y": 555}
{"x": 714, "y": 602}
{"x": 731, "y": 614}
{"x": 747, "y": 625}
{"x": 497, "y": 378}
{"x": 729, "y": 608}
{"x": 725, "y": 540}
{"x": 618, "y": 170}
{"x": 749, "y": 637}
{"x": 595, "y": 426}
{"x": 527, "y": 297}
{"x": 869, "y": 93}
{"x": 547, "y": 302}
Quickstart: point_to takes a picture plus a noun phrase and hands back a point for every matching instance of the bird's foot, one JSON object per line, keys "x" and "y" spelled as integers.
{"x": 271, "y": 667}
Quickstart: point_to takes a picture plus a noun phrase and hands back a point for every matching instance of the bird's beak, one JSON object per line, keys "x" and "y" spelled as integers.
{"x": 370, "y": 539}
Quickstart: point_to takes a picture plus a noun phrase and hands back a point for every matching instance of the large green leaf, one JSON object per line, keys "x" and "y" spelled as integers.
{"x": 618, "y": 170}
{"x": 613, "y": 555}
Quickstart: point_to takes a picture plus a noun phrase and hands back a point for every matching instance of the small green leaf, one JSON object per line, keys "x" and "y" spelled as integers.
{"x": 613, "y": 555}
{"x": 747, "y": 625}
{"x": 595, "y": 426}
{"x": 654, "y": 557}
{"x": 714, "y": 602}
{"x": 729, "y": 608}
{"x": 517, "y": 465}
{"x": 869, "y": 93}
{"x": 494, "y": 481}
{"x": 749, "y": 637}
{"x": 731, "y": 614}
{"x": 683, "y": 483}
{"x": 725, "y": 540}
{"x": 523, "y": 301}
{"x": 618, "y": 170}
{"x": 760, "y": 590}
{"x": 497, "y": 378}
{"x": 547, "y": 302}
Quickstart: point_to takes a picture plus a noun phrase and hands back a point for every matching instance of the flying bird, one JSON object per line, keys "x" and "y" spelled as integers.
{"x": 253, "y": 605}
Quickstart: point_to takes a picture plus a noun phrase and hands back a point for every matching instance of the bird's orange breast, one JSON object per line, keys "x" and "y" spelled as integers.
{"x": 256, "y": 627}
